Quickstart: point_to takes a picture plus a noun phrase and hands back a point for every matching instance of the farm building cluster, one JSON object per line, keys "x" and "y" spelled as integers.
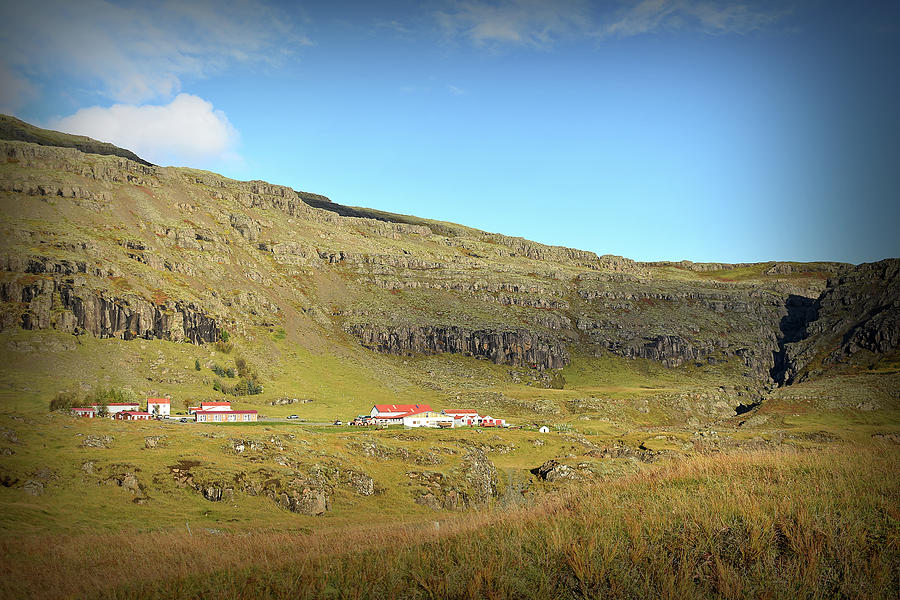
{"x": 422, "y": 415}
{"x": 159, "y": 408}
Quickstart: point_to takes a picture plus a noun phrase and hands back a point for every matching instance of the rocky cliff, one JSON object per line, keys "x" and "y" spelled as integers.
{"x": 858, "y": 313}
{"x": 115, "y": 247}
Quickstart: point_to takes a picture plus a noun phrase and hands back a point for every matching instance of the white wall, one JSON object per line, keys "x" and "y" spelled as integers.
{"x": 163, "y": 409}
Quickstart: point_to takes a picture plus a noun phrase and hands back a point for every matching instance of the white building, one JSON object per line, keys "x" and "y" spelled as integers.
{"x": 394, "y": 411}
{"x": 210, "y": 406}
{"x": 116, "y": 407}
{"x": 463, "y": 416}
{"x": 427, "y": 418}
{"x": 158, "y": 407}
{"x": 544, "y": 429}
{"x": 225, "y": 416}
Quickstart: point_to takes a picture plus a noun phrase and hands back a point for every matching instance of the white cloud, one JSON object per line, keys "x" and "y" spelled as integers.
{"x": 539, "y": 23}
{"x": 650, "y": 16}
{"x": 142, "y": 51}
{"x": 187, "y": 130}
{"x": 525, "y": 22}
{"x": 456, "y": 91}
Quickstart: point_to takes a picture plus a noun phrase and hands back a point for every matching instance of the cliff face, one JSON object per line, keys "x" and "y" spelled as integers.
{"x": 117, "y": 248}
{"x": 50, "y": 304}
{"x": 517, "y": 348}
{"x": 858, "y": 311}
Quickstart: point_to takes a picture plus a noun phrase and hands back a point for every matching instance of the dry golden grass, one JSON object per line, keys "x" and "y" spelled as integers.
{"x": 774, "y": 524}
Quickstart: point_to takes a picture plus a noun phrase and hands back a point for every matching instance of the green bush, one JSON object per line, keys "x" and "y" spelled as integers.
{"x": 242, "y": 368}
{"x": 65, "y": 400}
{"x": 197, "y": 364}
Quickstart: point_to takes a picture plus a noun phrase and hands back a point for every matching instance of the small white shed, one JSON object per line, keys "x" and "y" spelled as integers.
{"x": 544, "y": 429}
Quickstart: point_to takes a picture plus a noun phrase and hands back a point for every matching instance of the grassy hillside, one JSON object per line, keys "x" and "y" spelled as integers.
{"x": 675, "y": 463}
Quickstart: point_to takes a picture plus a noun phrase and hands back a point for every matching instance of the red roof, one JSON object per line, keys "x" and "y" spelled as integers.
{"x": 215, "y": 404}
{"x": 401, "y": 407}
{"x": 461, "y": 411}
{"x": 122, "y": 404}
{"x": 225, "y": 412}
{"x": 135, "y": 413}
{"x": 85, "y": 408}
{"x": 157, "y": 400}
{"x": 414, "y": 412}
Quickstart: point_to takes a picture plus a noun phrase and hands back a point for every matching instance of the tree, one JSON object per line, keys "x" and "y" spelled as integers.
{"x": 64, "y": 400}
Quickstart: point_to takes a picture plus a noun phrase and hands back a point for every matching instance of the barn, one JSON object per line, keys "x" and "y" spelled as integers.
{"x": 394, "y": 411}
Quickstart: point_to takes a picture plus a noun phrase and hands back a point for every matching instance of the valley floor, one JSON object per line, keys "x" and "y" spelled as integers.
{"x": 785, "y": 524}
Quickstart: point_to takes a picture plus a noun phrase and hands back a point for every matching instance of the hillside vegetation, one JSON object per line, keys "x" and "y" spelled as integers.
{"x": 715, "y": 429}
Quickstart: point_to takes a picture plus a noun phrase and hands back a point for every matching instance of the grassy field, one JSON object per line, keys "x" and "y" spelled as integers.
{"x": 772, "y": 524}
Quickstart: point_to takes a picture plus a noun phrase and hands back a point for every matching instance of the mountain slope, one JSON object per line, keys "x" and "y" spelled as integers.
{"x": 107, "y": 246}
{"x": 12, "y": 128}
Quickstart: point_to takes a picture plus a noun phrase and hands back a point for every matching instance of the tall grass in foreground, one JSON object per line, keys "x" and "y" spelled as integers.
{"x": 772, "y": 525}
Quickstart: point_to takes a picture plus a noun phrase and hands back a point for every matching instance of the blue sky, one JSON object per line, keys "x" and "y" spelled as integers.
{"x": 663, "y": 129}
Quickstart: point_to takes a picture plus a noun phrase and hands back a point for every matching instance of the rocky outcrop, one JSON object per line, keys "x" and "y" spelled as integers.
{"x": 46, "y": 303}
{"x": 553, "y": 470}
{"x": 517, "y": 348}
{"x": 474, "y": 483}
{"x": 309, "y": 494}
{"x": 381, "y": 451}
{"x": 858, "y": 311}
{"x": 97, "y": 441}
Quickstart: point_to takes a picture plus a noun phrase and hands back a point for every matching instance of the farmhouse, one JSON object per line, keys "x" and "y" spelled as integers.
{"x": 158, "y": 406}
{"x": 225, "y": 416}
{"x": 132, "y": 415}
{"x": 463, "y": 416}
{"x": 88, "y": 412}
{"x": 427, "y": 418}
{"x": 210, "y": 406}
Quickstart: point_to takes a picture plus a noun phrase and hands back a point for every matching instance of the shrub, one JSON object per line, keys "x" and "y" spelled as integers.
{"x": 224, "y": 347}
{"x": 65, "y": 400}
{"x": 224, "y": 336}
{"x": 197, "y": 364}
{"x": 218, "y": 370}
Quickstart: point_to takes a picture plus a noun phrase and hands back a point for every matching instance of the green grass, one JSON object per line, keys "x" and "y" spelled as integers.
{"x": 805, "y": 524}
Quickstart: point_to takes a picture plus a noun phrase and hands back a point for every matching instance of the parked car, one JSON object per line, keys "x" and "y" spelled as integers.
{"x": 293, "y": 417}
{"x": 184, "y": 420}
{"x": 338, "y": 422}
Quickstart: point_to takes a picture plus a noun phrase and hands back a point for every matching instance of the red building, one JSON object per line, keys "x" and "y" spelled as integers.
{"x": 132, "y": 415}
